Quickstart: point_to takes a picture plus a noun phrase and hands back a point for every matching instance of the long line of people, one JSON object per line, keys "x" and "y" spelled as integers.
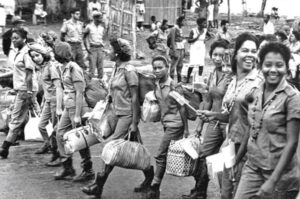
{"x": 253, "y": 107}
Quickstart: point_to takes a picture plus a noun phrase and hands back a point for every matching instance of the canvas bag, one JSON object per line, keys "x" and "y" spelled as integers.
{"x": 31, "y": 130}
{"x": 102, "y": 120}
{"x": 79, "y": 138}
{"x": 126, "y": 154}
{"x": 151, "y": 109}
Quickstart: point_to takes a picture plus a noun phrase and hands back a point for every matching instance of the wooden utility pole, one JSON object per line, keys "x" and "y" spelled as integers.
{"x": 262, "y": 9}
{"x": 122, "y": 19}
{"x": 134, "y": 30}
{"x": 228, "y": 11}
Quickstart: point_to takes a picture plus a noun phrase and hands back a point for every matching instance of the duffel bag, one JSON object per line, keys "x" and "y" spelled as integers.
{"x": 126, "y": 154}
{"x": 79, "y": 138}
{"x": 179, "y": 163}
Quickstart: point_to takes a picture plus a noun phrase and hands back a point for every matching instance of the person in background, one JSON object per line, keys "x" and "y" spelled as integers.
{"x": 268, "y": 27}
{"x": 295, "y": 42}
{"x": 197, "y": 39}
{"x": 39, "y": 10}
{"x": 161, "y": 34}
{"x": 123, "y": 95}
{"x": 2, "y": 18}
{"x": 223, "y": 32}
{"x": 52, "y": 87}
{"x": 75, "y": 106}
{"x": 94, "y": 5}
{"x": 272, "y": 139}
{"x": 25, "y": 84}
{"x": 215, "y": 133}
{"x": 282, "y": 37}
{"x": 72, "y": 32}
{"x": 7, "y": 45}
{"x": 173, "y": 118}
{"x": 153, "y": 24}
{"x": 217, "y": 4}
{"x": 176, "y": 48}
{"x": 287, "y": 30}
{"x": 264, "y": 39}
{"x": 140, "y": 18}
{"x": 210, "y": 16}
{"x": 95, "y": 33}
{"x": 235, "y": 109}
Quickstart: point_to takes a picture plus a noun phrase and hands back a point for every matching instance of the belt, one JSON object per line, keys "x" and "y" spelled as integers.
{"x": 68, "y": 92}
{"x": 74, "y": 43}
{"x": 96, "y": 46}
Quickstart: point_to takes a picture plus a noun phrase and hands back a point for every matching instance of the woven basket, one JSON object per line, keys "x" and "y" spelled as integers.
{"x": 179, "y": 163}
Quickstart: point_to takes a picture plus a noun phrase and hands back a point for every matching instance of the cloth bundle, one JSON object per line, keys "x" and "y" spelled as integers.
{"x": 151, "y": 110}
{"x": 126, "y": 154}
{"x": 79, "y": 138}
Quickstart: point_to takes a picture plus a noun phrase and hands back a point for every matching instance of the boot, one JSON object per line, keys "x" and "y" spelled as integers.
{"x": 149, "y": 175}
{"x": 154, "y": 192}
{"x": 44, "y": 149}
{"x": 96, "y": 188}
{"x": 87, "y": 165}
{"x": 85, "y": 175}
{"x": 5, "y": 149}
{"x": 55, "y": 161}
{"x": 66, "y": 171}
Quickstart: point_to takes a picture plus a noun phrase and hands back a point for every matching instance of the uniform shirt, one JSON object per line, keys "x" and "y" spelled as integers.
{"x": 74, "y": 30}
{"x": 95, "y": 33}
{"x": 124, "y": 77}
{"x": 22, "y": 62}
{"x": 72, "y": 73}
{"x": 49, "y": 74}
{"x": 224, "y": 35}
{"x": 234, "y": 103}
{"x": 268, "y": 122}
{"x": 217, "y": 89}
{"x": 170, "y": 115}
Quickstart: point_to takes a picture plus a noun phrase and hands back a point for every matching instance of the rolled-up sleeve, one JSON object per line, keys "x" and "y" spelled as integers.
{"x": 293, "y": 107}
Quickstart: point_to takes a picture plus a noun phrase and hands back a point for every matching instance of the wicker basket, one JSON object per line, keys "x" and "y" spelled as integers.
{"x": 179, "y": 163}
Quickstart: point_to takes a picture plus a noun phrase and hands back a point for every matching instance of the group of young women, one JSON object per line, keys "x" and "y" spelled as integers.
{"x": 254, "y": 107}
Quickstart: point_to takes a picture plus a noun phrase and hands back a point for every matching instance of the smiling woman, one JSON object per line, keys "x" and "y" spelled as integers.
{"x": 274, "y": 116}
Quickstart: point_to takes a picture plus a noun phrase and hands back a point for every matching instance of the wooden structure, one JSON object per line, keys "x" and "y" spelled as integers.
{"x": 122, "y": 19}
{"x": 163, "y": 9}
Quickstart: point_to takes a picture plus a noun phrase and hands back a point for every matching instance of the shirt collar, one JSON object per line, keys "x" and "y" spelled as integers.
{"x": 168, "y": 82}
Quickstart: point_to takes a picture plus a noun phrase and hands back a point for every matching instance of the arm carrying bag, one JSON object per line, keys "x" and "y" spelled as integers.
{"x": 151, "y": 109}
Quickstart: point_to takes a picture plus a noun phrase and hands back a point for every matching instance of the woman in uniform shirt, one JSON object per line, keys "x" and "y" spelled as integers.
{"x": 25, "y": 83}
{"x": 274, "y": 117}
{"x": 234, "y": 109}
{"x": 123, "y": 94}
{"x": 215, "y": 133}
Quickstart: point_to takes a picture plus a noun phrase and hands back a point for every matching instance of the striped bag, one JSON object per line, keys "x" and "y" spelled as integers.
{"x": 126, "y": 154}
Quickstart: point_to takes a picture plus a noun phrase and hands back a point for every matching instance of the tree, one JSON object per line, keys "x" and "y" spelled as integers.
{"x": 262, "y": 9}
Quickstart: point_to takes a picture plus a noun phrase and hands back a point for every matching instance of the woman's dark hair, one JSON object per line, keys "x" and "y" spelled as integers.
{"x": 246, "y": 36}
{"x": 117, "y": 49}
{"x": 153, "y": 18}
{"x": 282, "y": 35}
{"x": 221, "y": 43}
{"x": 200, "y": 20}
{"x": 164, "y": 22}
{"x": 74, "y": 10}
{"x": 275, "y": 47}
{"x": 224, "y": 22}
{"x": 161, "y": 58}
{"x": 46, "y": 57}
{"x": 297, "y": 34}
{"x": 21, "y": 32}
